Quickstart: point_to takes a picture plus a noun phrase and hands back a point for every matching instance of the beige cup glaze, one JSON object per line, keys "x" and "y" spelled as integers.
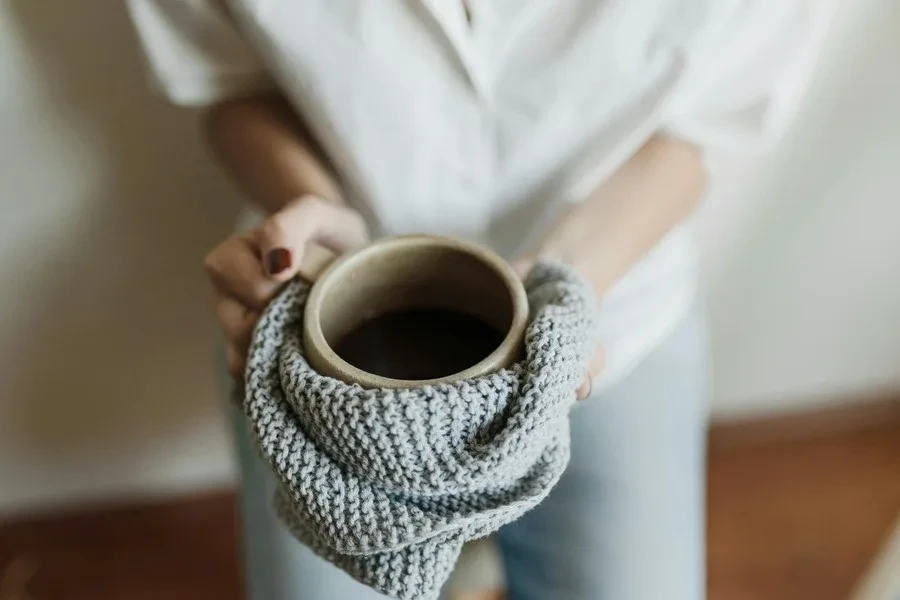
{"x": 405, "y": 272}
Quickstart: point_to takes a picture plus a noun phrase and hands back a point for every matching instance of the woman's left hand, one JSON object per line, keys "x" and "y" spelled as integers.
{"x": 597, "y": 362}
{"x": 624, "y": 217}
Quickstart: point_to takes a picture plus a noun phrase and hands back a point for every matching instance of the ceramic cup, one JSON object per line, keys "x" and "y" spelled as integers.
{"x": 404, "y": 273}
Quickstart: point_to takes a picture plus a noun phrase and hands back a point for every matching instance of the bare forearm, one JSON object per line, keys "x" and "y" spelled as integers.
{"x": 265, "y": 149}
{"x": 631, "y": 212}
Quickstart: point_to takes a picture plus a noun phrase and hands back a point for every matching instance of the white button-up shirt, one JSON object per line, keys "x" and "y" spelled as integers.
{"x": 487, "y": 128}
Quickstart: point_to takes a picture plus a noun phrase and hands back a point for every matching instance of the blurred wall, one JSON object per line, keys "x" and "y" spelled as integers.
{"x": 802, "y": 250}
{"x": 108, "y": 204}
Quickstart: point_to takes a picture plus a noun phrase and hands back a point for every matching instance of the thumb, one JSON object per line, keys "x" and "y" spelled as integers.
{"x": 286, "y": 237}
{"x": 280, "y": 248}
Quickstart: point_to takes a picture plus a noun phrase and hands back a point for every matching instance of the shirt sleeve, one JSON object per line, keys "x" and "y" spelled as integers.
{"x": 746, "y": 72}
{"x": 195, "y": 54}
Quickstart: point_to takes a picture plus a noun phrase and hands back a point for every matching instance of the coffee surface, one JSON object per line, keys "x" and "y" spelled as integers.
{"x": 419, "y": 344}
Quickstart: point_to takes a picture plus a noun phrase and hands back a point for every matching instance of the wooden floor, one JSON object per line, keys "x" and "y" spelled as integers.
{"x": 800, "y": 520}
{"x": 795, "y": 520}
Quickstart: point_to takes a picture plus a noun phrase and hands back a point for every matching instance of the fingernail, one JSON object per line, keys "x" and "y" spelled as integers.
{"x": 278, "y": 260}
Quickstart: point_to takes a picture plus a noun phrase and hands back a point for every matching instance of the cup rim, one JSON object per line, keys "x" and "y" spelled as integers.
{"x": 313, "y": 334}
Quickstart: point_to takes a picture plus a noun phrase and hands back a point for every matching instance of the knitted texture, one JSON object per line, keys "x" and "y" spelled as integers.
{"x": 389, "y": 484}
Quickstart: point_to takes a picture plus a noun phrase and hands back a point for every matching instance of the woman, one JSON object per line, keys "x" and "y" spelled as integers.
{"x": 575, "y": 129}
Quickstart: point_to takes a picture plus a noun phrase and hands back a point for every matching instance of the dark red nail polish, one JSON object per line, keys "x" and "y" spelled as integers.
{"x": 278, "y": 260}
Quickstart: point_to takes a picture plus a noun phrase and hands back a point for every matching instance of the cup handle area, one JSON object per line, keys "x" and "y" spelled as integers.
{"x": 316, "y": 258}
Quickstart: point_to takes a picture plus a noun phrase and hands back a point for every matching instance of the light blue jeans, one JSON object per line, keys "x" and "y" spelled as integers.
{"x": 626, "y": 521}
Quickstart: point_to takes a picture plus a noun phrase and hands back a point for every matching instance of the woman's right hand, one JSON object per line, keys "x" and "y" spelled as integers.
{"x": 247, "y": 269}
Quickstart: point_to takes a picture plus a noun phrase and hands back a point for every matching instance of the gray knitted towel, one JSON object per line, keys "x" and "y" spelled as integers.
{"x": 388, "y": 484}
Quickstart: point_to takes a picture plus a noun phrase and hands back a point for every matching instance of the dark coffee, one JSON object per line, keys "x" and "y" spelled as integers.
{"x": 419, "y": 344}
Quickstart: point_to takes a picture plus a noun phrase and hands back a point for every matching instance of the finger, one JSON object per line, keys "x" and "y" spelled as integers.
{"x": 237, "y": 322}
{"x": 596, "y": 366}
{"x": 584, "y": 390}
{"x": 235, "y": 270}
{"x": 282, "y": 238}
{"x": 236, "y": 362}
